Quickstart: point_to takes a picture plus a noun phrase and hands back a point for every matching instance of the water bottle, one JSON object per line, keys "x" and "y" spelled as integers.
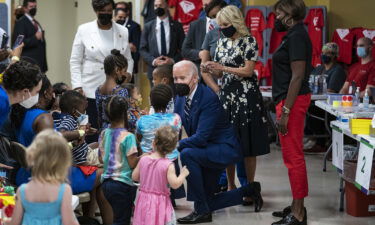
{"x": 324, "y": 86}
{"x": 366, "y": 100}
{"x": 311, "y": 82}
{"x": 356, "y": 97}
{"x": 316, "y": 85}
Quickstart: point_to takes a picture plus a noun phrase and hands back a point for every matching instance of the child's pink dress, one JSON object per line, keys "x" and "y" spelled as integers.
{"x": 153, "y": 206}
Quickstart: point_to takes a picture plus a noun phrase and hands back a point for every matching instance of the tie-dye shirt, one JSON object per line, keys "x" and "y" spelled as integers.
{"x": 147, "y": 126}
{"x": 115, "y": 146}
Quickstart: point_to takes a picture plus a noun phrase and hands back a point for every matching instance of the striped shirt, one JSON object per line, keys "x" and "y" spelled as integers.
{"x": 79, "y": 152}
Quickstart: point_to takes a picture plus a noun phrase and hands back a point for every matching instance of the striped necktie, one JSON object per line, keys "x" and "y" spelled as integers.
{"x": 187, "y": 108}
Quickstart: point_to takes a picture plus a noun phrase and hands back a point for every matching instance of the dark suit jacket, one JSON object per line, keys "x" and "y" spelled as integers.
{"x": 149, "y": 46}
{"x": 208, "y": 127}
{"x": 34, "y": 48}
{"x": 134, "y": 38}
{"x": 194, "y": 40}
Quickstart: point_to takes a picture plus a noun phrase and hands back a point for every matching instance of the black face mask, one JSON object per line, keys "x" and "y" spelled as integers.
{"x": 279, "y": 26}
{"x": 182, "y": 89}
{"x": 104, "y": 18}
{"x": 120, "y": 80}
{"x": 32, "y": 12}
{"x": 326, "y": 59}
{"x": 228, "y": 31}
{"x": 121, "y": 22}
{"x": 159, "y": 12}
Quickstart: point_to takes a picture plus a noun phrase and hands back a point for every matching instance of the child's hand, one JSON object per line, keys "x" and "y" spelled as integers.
{"x": 185, "y": 172}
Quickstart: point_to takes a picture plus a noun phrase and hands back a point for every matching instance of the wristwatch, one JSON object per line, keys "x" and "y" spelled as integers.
{"x": 285, "y": 110}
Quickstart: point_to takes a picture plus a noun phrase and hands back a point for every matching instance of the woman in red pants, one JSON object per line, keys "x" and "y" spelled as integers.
{"x": 290, "y": 91}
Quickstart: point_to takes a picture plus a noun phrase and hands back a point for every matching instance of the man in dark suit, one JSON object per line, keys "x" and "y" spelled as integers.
{"x": 197, "y": 32}
{"x": 210, "y": 147}
{"x": 35, "y": 43}
{"x": 123, "y": 17}
{"x": 161, "y": 40}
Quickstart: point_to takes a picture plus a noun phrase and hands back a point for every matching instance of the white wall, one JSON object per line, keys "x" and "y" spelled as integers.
{"x": 60, "y": 20}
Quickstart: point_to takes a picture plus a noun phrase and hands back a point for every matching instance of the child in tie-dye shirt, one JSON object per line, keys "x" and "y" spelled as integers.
{"x": 118, "y": 152}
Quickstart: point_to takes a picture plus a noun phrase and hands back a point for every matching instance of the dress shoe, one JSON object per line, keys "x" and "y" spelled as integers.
{"x": 253, "y": 191}
{"x": 194, "y": 218}
{"x": 291, "y": 220}
{"x": 283, "y": 213}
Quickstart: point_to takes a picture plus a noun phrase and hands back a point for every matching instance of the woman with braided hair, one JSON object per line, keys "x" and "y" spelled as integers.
{"x": 147, "y": 125}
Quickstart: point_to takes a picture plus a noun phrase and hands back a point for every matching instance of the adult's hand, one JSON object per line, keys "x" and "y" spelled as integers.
{"x": 167, "y": 61}
{"x": 5, "y": 166}
{"x": 4, "y": 54}
{"x": 39, "y": 35}
{"x": 133, "y": 48}
{"x": 18, "y": 51}
{"x": 80, "y": 90}
{"x": 215, "y": 66}
{"x": 282, "y": 124}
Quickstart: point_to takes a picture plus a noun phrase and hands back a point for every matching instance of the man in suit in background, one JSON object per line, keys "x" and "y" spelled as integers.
{"x": 197, "y": 32}
{"x": 161, "y": 40}
{"x": 210, "y": 147}
{"x": 35, "y": 43}
{"x": 123, "y": 17}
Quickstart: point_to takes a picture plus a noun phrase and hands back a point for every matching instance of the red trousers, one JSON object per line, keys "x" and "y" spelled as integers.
{"x": 292, "y": 145}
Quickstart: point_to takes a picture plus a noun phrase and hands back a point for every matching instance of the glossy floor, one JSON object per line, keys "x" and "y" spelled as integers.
{"x": 322, "y": 203}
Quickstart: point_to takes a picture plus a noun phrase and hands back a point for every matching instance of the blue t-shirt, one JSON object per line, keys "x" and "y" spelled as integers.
{"x": 4, "y": 106}
{"x": 147, "y": 126}
{"x": 26, "y": 133}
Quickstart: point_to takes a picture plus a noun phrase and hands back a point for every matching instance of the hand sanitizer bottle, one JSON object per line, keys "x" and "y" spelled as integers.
{"x": 366, "y": 100}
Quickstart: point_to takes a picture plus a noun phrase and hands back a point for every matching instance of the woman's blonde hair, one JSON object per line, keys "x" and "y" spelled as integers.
{"x": 166, "y": 139}
{"x": 49, "y": 156}
{"x": 232, "y": 15}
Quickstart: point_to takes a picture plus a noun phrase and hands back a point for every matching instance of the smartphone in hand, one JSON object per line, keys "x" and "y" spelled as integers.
{"x": 18, "y": 41}
{"x": 4, "y": 41}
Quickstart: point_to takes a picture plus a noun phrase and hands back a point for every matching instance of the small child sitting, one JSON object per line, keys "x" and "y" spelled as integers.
{"x": 46, "y": 199}
{"x": 74, "y": 127}
{"x": 58, "y": 89}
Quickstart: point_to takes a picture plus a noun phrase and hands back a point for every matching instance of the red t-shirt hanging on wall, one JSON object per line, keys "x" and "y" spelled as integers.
{"x": 255, "y": 22}
{"x": 344, "y": 39}
{"x": 276, "y": 37}
{"x": 315, "y": 23}
{"x": 186, "y": 11}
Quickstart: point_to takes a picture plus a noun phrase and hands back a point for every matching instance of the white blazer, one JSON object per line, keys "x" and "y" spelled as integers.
{"x": 88, "y": 54}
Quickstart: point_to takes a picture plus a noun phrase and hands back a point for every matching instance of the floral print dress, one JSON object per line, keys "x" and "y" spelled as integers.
{"x": 241, "y": 97}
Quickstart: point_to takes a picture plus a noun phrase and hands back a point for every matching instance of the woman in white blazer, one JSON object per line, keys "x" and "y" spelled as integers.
{"x": 93, "y": 42}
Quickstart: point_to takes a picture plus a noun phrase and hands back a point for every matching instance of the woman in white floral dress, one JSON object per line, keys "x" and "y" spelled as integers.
{"x": 235, "y": 58}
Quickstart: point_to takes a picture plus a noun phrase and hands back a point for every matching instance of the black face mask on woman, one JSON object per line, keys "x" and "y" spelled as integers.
{"x": 279, "y": 26}
{"x": 105, "y": 18}
{"x": 228, "y": 31}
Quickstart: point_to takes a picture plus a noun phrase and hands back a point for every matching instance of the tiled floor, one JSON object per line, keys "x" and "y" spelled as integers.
{"x": 322, "y": 203}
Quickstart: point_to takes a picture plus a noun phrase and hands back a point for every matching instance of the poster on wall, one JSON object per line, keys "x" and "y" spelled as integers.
{"x": 5, "y": 6}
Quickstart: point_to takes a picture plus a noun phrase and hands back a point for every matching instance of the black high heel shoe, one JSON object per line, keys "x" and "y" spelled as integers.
{"x": 257, "y": 197}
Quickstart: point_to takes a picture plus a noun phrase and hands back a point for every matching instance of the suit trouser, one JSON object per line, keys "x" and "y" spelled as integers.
{"x": 203, "y": 181}
{"x": 292, "y": 145}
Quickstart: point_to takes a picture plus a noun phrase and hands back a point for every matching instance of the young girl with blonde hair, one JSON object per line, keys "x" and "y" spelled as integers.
{"x": 46, "y": 199}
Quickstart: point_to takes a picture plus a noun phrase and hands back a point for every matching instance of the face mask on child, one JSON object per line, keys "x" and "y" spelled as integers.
{"x": 83, "y": 119}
